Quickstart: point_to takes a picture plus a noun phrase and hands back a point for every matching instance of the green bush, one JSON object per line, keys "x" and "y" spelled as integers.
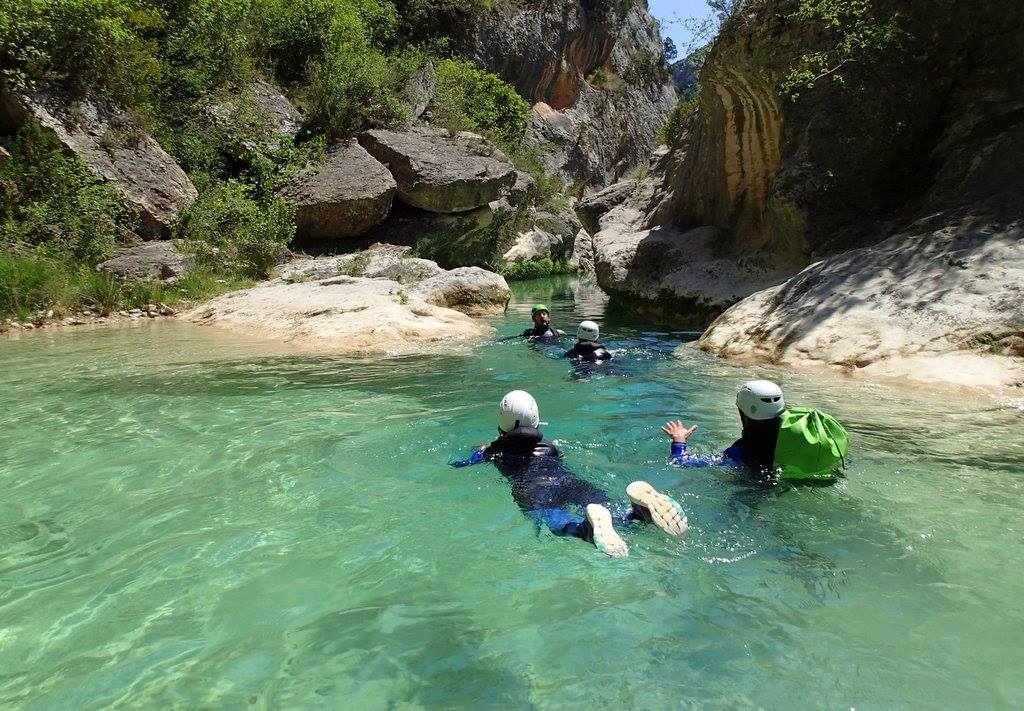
{"x": 647, "y": 68}
{"x": 533, "y": 269}
{"x": 469, "y": 99}
{"x": 49, "y": 201}
{"x": 28, "y": 283}
{"x": 91, "y": 44}
{"x": 353, "y": 87}
{"x": 229, "y": 231}
{"x": 677, "y": 120}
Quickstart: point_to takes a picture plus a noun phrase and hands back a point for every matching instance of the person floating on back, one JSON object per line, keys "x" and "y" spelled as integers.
{"x": 777, "y": 443}
{"x": 542, "y": 328}
{"x": 588, "y": 348}
{"x": 549, "y": 494}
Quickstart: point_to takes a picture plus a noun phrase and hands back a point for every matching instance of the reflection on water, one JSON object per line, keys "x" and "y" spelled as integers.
{"x": 194, "y": 519}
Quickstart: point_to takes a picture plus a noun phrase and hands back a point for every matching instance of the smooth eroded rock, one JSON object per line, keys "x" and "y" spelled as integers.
{"x": 592, "y": 208}
{"x": 940, "y": 305}
{"x": 150, "y": 261}
{"x": 439, "y": 172}
{"x": 111, "y": 145}
{"x": 341, "y": 314}
{"x": 345, "y": 196}
{"x": 673, "y": 276}
{"x": 532, "y": 244}
{"x": 471, "y": 290}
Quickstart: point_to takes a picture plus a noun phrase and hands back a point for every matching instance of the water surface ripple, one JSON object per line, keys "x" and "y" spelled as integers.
{"x": 196, "y": 520}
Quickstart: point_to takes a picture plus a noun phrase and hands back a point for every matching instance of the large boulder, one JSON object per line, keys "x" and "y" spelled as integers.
{"x": 150, "y": 261}
{"x": 111, "y": 145}
{"x": 531, "y": 245}
{"x": 441, "y": 172}
{"x": 675, "y": 277}
{"x": 941, "y": 302}
{"x": 4, "y": 156}
{"x": 419, "y": 90}
{"x": 340, "y": 314}
{"x": 275, "y": 117}
{"x": 345, "y": 196}
{"x": 583, "y": 252}
{"x": 592, "y": 208}
{"x": 471, "y": 290}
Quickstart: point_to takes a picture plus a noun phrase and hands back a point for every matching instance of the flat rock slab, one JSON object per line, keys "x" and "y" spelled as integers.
{"x": 439, "y": 172}
{"x": 112, "y": 147}
{"x": 151, "y": 261}
{"x": 939, "y": 305}
{"x": 341, "y": 314}
{"x": 345, "y": 196}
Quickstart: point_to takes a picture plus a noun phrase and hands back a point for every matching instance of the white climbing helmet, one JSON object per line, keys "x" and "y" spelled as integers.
{"x": 760, "y": 400}
{"x": 517, "y": 409}
{"x": 588, "y": 331}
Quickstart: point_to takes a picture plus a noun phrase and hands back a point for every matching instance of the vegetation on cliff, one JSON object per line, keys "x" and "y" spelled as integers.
{"x": 170, "y": 64}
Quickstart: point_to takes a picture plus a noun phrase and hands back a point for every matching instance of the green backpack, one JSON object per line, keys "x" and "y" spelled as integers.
{"x": 811, "y": 444}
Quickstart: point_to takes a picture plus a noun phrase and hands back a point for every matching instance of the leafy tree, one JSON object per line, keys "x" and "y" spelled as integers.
{"x": 670, "y": 50}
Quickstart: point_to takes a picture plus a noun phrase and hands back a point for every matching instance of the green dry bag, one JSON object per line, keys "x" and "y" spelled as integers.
{"x": 811, "y": 444}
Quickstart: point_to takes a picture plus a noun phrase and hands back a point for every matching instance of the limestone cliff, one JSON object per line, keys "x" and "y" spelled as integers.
{"x": 595, "y": 72}
{"x": 929, "y": 127}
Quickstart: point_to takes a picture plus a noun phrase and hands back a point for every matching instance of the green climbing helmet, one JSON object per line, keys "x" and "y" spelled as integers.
{"x": 811, "y": 445}
{"x": 538, "y": 307}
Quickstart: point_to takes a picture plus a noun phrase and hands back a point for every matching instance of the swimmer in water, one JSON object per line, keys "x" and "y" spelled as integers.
{"x": 588, "y": 348}
{"x": 777, "y": 443}
{"x": 549, "y": 494}
{"x": 542, "y": 328}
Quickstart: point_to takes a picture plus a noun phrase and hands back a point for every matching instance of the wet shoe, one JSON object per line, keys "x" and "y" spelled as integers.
{"x": 605, "y": 538}
{"x": 652, "y": 506}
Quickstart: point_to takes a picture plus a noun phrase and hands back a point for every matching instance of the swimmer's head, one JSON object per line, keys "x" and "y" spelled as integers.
{"x": 517, "y": 409}
{"x": 588, "y": 331}
{"x": 760, "y": 400}
{"x": 540, "y": 315}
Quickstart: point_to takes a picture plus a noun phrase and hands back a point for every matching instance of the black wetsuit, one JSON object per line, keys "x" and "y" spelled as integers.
{"x": 540, "y": 332}
{"x": 542, "y": 487}
{"x": 588, "y": 352}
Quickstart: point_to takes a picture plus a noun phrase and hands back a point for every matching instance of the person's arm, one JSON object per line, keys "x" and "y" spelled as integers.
{"x": 476, "y": 457}
{"x": 681, "y": 455}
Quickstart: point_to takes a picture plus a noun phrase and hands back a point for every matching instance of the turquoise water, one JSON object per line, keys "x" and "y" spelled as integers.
{"x": 196, "y": 520}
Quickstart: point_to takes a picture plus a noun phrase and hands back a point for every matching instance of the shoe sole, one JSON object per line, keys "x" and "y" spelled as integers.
{"x": 666, "y": 512}
{"x": 606, "y": 539}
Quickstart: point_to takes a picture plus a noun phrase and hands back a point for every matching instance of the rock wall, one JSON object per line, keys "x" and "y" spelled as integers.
{"x": 582, "y": 65}
{"x": 930, "y": 129}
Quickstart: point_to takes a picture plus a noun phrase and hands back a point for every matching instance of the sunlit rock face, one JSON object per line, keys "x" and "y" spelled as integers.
{"x": 926, "y": 125}
{"x": 591, "y": 69}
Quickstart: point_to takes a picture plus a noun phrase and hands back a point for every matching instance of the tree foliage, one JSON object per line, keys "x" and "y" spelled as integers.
{"x": 856, "y": 33}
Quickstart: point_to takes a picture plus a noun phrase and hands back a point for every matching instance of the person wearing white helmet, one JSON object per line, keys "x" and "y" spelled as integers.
{"x": 549, "y": 494}
{"x": 588, "y": 348}
{"x": 761, "y": 405}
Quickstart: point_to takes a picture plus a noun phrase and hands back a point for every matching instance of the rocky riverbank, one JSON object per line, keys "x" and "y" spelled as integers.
{"x": 379, "y": 301}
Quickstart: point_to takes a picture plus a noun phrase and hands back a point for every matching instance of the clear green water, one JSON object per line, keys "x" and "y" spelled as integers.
{"x": 199, "y": 521}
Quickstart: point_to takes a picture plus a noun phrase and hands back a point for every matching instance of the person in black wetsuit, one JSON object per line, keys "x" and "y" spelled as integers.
{"x": 542, "y": 328}
{"x": 588, "y": 348}
{"x": 549, "y": 494}
{"x": 760, "y": 404}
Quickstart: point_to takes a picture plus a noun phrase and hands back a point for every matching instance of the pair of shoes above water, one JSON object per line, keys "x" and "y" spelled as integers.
{"x": 649, "y": 505}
